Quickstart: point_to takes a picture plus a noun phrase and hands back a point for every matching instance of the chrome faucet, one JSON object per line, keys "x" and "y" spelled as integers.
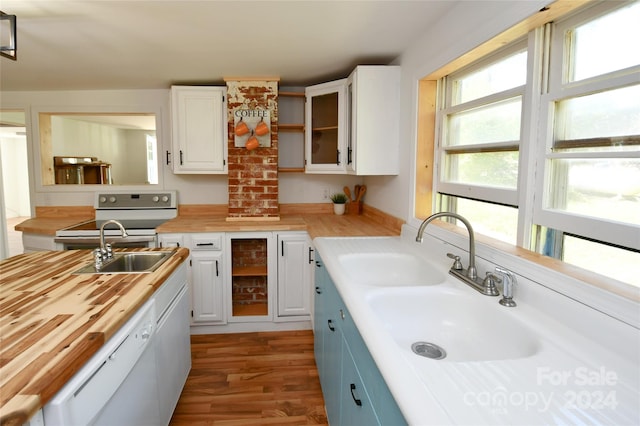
{"x": 105, "y": 253}
{"x": 509, "y": 280}
{"x": 469, "y": 276}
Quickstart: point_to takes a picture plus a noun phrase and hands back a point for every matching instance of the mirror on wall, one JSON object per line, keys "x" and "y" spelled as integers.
{"x": 98, "y": 148}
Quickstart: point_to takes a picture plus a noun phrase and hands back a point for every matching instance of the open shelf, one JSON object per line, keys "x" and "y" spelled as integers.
{"x": 249, "y": 271}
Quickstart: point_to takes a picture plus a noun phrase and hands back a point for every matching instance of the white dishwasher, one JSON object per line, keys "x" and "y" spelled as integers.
{"x": 126, "y": 364}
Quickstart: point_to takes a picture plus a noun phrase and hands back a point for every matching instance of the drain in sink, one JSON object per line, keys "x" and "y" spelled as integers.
{"x": 428, "y": 350}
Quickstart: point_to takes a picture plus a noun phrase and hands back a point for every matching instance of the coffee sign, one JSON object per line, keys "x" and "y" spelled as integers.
{"x": 251, "y": 125}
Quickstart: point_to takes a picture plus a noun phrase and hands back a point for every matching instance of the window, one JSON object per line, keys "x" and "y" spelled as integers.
{"x": 581, "y": 117}
{"x": 481, "y": 127}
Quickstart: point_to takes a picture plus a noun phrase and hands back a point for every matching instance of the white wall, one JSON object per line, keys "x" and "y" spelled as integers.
{"x": 466, "y": 26}
{"x": 16, "y": 191}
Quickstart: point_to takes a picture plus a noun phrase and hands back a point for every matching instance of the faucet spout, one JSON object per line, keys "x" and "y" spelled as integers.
{"x": 472, "y": 273}
{"x": 115, "y": 222}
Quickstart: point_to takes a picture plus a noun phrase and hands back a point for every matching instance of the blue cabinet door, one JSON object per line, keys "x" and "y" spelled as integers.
{"x": 357, "y": 408}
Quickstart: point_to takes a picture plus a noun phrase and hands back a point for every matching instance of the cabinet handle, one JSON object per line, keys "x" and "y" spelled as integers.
{"x": 337, "y": 157}
{"x": 310, "y": 251}
{"x": 217, "y": 272}
{"x": 331, "y": 327}
{"x": 349, "y": 161}
{"x": 282, "y": 248}
{"x": 356, "y": 400}
{"x": 168, "y": 159}
{"x": 318, "y": 264}
{"x": 204, "y": 244}
{"x": 318, "y": 290}
{"x": 181, "y": 157}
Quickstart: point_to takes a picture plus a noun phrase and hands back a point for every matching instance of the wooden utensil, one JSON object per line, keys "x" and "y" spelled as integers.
{"x": 347, "y": 192}
{"x": 361, "y": 192}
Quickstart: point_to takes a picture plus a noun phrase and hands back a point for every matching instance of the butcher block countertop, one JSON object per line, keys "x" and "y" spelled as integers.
{"x": 52, "y": 322}
{"x": 317, "y": 225}
{"x": 317, "y": 219}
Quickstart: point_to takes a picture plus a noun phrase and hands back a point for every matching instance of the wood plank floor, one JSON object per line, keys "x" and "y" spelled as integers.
{"x": 267, "y": 378}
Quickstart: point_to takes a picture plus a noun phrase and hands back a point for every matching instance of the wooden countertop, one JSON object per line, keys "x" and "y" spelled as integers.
{"x": 52, "y": 322}
{"x": 316, "y": 219}
{"x": 317, "y": 225}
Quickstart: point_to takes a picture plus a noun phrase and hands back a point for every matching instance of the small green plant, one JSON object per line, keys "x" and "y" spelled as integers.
{"x": 339, "y": 198}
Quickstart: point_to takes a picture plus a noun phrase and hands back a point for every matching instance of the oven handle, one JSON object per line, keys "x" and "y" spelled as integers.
{"x": 96, "y": 240}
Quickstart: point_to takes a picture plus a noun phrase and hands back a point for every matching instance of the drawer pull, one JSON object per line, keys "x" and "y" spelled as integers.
{"x": 356, "y": 400}
{"x": 331, "y": 327}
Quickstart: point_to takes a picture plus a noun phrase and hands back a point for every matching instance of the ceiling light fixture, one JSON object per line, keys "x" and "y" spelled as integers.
{"x": 8, "y": 47}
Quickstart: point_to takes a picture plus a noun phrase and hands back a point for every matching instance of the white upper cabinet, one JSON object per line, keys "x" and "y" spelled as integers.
{"x": 199, "y": 130}
{"x": 353, "y": 124}
{"x": 373, "y": 116}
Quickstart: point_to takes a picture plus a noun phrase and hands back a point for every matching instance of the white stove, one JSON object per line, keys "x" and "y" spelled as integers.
{"x": 139, "y": 212}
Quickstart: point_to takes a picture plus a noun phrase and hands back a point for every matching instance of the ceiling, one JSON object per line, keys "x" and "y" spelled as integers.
{"x": 102, "y": 44}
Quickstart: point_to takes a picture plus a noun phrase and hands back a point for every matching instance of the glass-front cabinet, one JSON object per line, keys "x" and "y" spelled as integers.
{"x": 325, "y": 137}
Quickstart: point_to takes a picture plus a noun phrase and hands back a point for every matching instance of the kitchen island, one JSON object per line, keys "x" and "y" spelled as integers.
{"x": 53, "y": 321}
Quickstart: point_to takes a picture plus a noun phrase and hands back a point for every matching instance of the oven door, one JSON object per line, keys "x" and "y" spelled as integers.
{"x": 78, "y": 243}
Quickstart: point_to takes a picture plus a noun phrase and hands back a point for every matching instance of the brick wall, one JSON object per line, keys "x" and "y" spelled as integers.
{"x": 253, "y": 174}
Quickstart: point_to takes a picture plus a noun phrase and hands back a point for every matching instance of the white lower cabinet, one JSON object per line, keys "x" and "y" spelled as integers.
{"x": 295, "y": 266}
{"x": 207, "y": 287}
{"x": 207, "y": 278}
{"x": 228, "y": 269}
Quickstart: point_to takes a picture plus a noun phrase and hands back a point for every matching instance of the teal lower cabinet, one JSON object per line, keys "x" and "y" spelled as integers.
{"x": 354, "y": 391}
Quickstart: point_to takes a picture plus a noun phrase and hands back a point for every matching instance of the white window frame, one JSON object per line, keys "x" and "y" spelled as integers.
{"x": 503, "y": 196}
{"x": 543, "y": 88}
{"x": 622, "y": 234}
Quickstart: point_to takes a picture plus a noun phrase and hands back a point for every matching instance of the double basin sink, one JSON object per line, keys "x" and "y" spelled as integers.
{"x": 416, "y": 303}
{"x": 129, "y": 263}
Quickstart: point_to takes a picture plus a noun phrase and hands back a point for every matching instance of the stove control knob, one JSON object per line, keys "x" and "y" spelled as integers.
{"x": 112, "y": 199}
{"x": 155, "y": 199}
{"x": 103, "y": 199}
{"x": 165, "y": 198}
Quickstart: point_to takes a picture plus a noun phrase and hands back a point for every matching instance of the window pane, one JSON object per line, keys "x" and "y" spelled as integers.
{"x": 508, "y": 73}
{"x": 498, "y": 169}
{"x": 602, "y": 188}
{"x": 498, "y": 122}
{"x": 603, "y": 259}
{"x": 495, "y": 221}
{"x": 605, "y": 114}
{"x": 606, "y": 44}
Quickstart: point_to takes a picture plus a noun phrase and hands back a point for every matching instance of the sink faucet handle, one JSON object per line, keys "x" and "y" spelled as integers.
{"x": 509, "y": 282}
{"x": 97, "y": 258}
{"x": 109, "y": 250}
{"x": 457, "y": 265}
{"x": 490, "y": 282}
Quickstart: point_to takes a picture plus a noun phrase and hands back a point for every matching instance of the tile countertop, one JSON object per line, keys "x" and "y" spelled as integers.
{"x": 52, "y": 321}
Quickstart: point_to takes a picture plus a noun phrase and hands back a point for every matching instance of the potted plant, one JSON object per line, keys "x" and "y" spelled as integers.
{"x": 339, "y": 200}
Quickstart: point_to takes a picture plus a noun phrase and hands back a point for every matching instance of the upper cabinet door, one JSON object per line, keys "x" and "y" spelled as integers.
{"x": 325, "y": 134}
{"x": 373, "y": 116}
{"x": 199, "y": 130}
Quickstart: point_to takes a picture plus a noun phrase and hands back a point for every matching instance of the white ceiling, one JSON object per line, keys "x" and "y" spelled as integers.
{"x": 106, "y": 44}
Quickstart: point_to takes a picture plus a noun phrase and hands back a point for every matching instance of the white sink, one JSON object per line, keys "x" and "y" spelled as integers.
{"x": 465, "y": 326}
{"x": 389, "y": 269}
